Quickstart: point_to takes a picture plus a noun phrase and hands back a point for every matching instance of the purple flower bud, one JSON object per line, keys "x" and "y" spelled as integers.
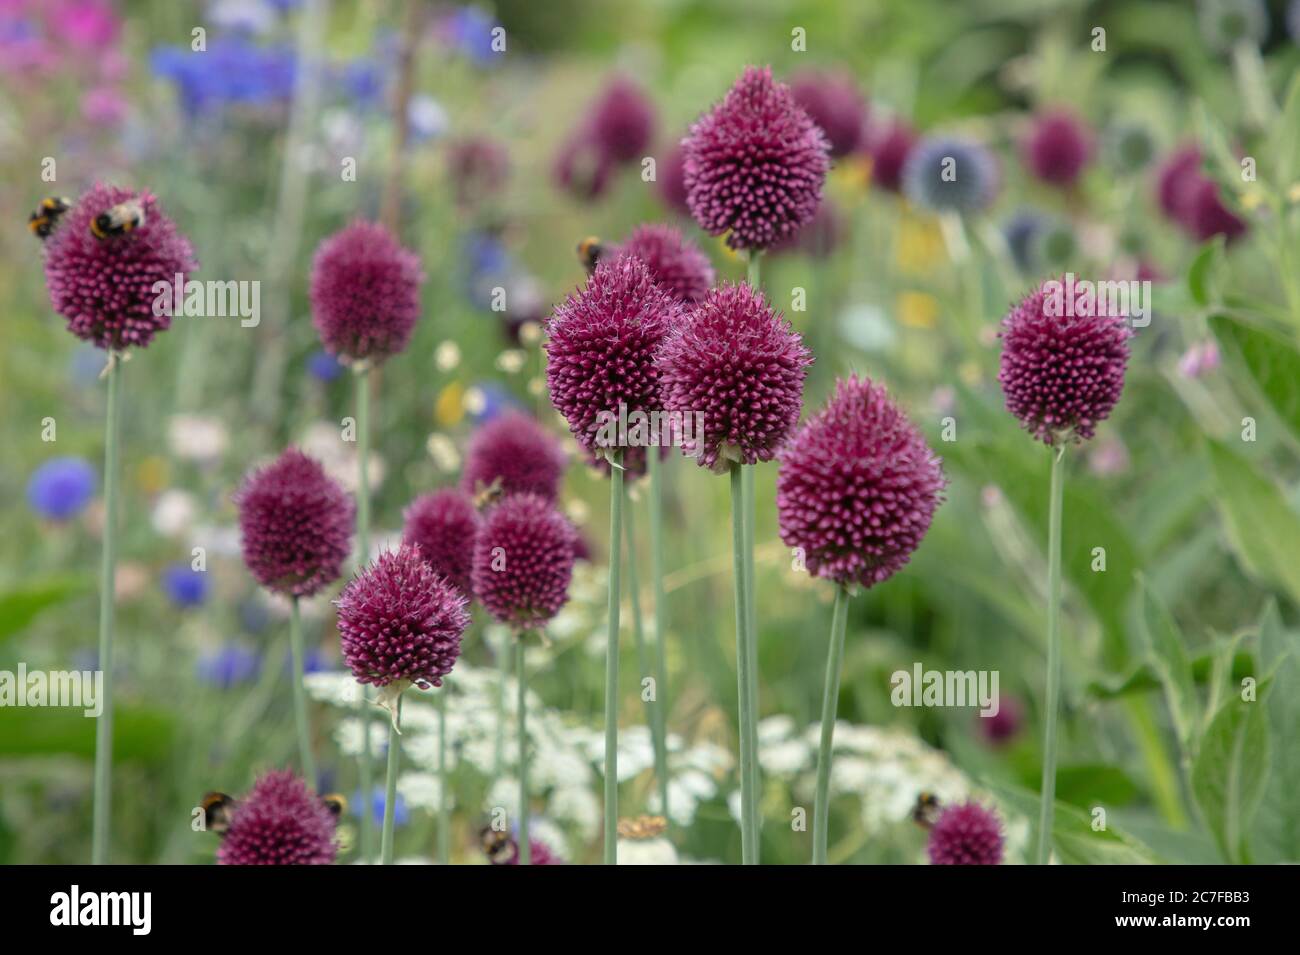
{"x": 1057, "y": 148}
{"x": 523, "y": 561}
{"x": 834, "y": 103}
{"x": 281, "y": 822}
{"x": 889, "y": 151}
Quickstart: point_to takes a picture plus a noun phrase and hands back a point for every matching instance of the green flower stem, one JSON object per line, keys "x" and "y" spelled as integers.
{"x": 611, "y": 659}
{"x": 521, "y": 679}
{"x": 1053, "y": 702}
{"x": 363, "y": 555}
{"x": 654, "y": 466}
{"x": 749, "y": 850}
{"x": 503, "y": 668}
{"x": 444, "y": 807}
{"x": 751, "y": 597}
{"x": 642, "y": 658}
{"x": 107, "y": 584}
{"x": 390, "y": 787}
{"x": 300, "y": 695}
{"x": 830, "y": 700}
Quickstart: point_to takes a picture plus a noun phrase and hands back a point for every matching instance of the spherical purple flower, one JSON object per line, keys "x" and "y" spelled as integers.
{"x": 622, "y": 121}
{"x": 443, "y": 525}
{"x": 401, "y": 621}
{"x": 836, "y": 106}
{"x": 857, "y": 487}
{"x": 755, "y": 164}
{"x": 296, "y": 524}
{"x": 601, "y": 349}
{"x": 1005, "y": 723}
{"x": 281, "y": 822}
{"x": 675, "y": 262}
{"x": 889, "y": 150}
{"x": 1191, "y": 199}
{"x": 523, "y": 561}
{"x": 1057, "y": 148}
{"x": 104, "y": 287}
{"x": 365, "y": 292}
{"x": 741, "y": 366}
{"x": 966, "y": 834}
{"x": 1061, "y": 374}
{"x": 513, "y": 453}
{"x": 61, "y": 488}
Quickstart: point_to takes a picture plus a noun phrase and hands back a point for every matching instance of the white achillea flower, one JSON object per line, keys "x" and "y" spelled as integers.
{"x": 197, "y": 437}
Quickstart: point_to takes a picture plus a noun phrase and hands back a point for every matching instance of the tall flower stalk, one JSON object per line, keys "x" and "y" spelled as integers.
{"x": 299, "y": 694}
{"x": 744, "y": 674}
{"x": 654, "y": 468}
{"x": 1061, "y": 375}
{"x": 610, "y": 851}
{"x": 361, "y": 377}
{"x": 107, "y": 584}
{"x": 856, "y": 492}
{"x": 521, "y": 706}
{"x": 390, "y": 785}
{"x": 444, "y": 805}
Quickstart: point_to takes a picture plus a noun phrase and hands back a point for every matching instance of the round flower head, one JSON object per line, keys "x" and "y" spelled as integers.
{"x": 60, "y": 488}
{"x": 1022, "y": 233}
{"x": 1191, "y": 199}
{"x": 889, "y": 151}
{"x": 755, "y": 164}
{"x": 513, "y": 453}
{"x": 622, "y": 122}
{"x": 523, "y": 561}
{"x": 400, "y": 621}
{"x": 600, "y": 353}
{"x": 675, "y": 262}
{"x": 857, "y": 487}
{"x": 443, "y": 525}
{"x": 950, "y": 175}
{"x": 835, "y": 105}
{"x": 739, "y": 364}
{"x": 1057, "y": 148}
{"x": 296, "y": 524}
{"x": 1226, "y": 23}
{"x": 966, "y": 834}
{"x": 365, "y": 292}
{"x": 104, "y": 285}
{"x": 1061, "y": 374}
{"x": 281, "y": 822}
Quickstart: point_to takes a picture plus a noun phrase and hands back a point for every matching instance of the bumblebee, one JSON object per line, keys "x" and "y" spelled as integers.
{"x": 487, "y": 494}
{"x": 46, "y": 216}
{"x": 590, "y": 250}
{"x": 926, "y": 809}
{"x": 120, "y": 219}
{"x": 498, "y": 845}
{"x": 219, "y": 809}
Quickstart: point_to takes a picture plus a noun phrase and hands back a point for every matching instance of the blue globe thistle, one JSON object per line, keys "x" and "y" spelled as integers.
{"x": 228, "y": 666}
{"x": 944, "y": 174}
{"x": 60, "y": 488}
{"x": 1021, "y": 233}
{"x": 184, "y": 586}
{"x": 1225, "y": 23}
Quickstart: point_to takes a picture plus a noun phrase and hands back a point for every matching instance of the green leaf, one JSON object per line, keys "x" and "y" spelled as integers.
{"x": 1268, "y": 362}
{"x": 1201, "y": 273}
{"x": 1094, "y": 784}
{"x": 1230, "y": 772}
{"x": 1073, "y": 838}
{"x": 1276, "y": 836}
{"x": 139, "y": 733}
{"x": 1170, "y": 661}
{"x": 1263, "y": 530}
{"x": 19, "y": 606}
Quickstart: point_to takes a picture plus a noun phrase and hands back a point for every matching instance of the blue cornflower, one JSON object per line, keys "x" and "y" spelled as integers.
{"x": 184, "y": 586}
{"x": 491, "y": 400}
{"x": 470, "y": 31}
{"x": 60, "y": 488}
{"x": 230, "y": 71}
{"x": 324, "y": 366}
{"x": 950, "y": 175}
{"x": 401, "y": 815}
{"x": 228, "y": 666}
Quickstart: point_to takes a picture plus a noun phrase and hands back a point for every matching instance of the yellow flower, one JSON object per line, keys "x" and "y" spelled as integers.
{"x": 151, "y": 474}
{"x": 917, "y": 309}
{"x": 920, "y": 244}
{"x": 449, "y": 406}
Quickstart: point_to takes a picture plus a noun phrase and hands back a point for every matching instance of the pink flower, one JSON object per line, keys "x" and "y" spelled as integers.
{"x": 836, "y": 106}
{"x": 443, "y": 525}
{"x": 281, "y": 822}
{"x": 675, "y": 262}
{"x": 516, "y": 454}
{"x": 1057, "y": 148}
{"x": 966, "y": 834}
{"x": 523, "y": 561}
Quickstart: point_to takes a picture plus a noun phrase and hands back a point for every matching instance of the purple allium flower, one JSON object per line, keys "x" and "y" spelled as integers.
{"x": 523, "y": 561}
{"x": 184, "y": 586}
{"x": 818, "y": 238}
{"x": 580, "y": 169}
{"x": 601, "y": 349}
{"x": 539, "y": 853}
{"x": 622, "y": 121}
{"x": 296, "y": 524}
{"x": 966, "y": 834}
{"x": 836, "y": 106}
{"x": 365, "y": 292}
{"x": 672, "y": 180}
{"x": 1057, "y": 147}
{"x": 737, "y": 362}
{"x": 443, "y": 524}
{"x": 889, "y": 151}
{"x": 228, "y": 666}
{"x": 105, "y": 287}
{"x": 755, "y": 164}
{"x": 516, "y": 453}
{"x": 944, "y": 174}
{"x": 675, "y": 262}
{"x": 61, "y": 488}
{"x": 857, "y": 487}
{"x": 281, "y": 822}
{"x": 478, "y": 167}
{"x": 1003, "y": 725}
{"x": 1061, "y": 374}
{"x": 1191, "y": 199}
{"x": 400, "y": 620}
